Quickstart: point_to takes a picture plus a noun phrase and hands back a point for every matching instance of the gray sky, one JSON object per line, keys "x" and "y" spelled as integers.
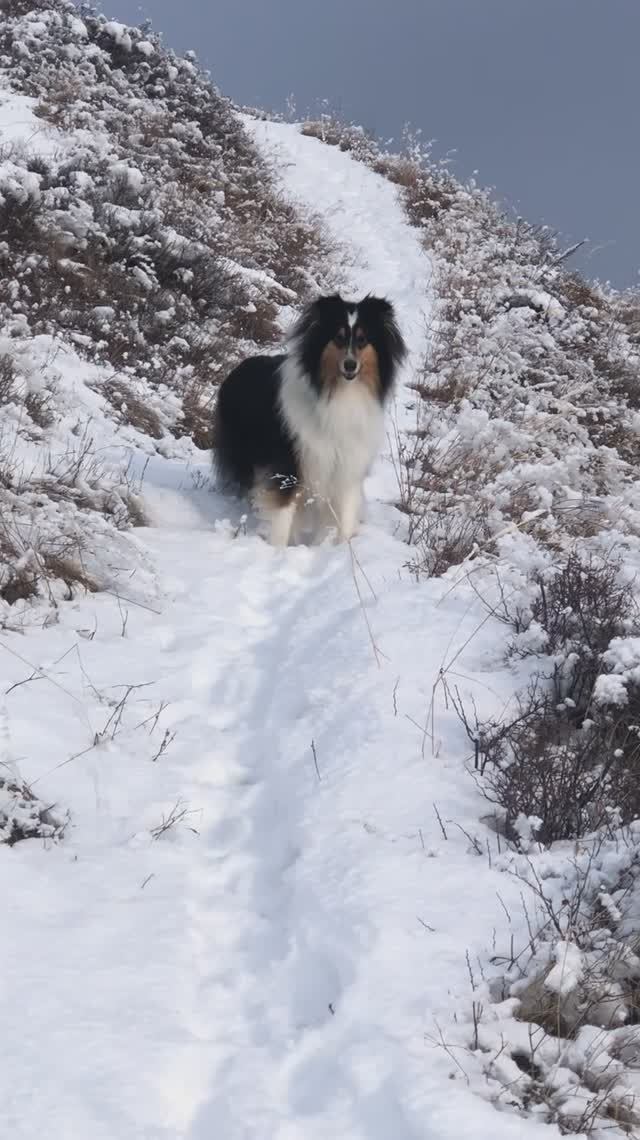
{"x": 541, "y": 97}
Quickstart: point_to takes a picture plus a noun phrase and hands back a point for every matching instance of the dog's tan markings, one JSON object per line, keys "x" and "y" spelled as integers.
{"x": 369, "y": 373}
{"x": 330, "y": 362}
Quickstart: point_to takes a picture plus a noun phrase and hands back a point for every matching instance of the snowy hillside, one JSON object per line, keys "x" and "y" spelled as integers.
{"x": 327, "y": 842}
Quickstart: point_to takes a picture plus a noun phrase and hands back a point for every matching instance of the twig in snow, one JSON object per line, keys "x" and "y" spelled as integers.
{"x": 154, "y": 718}
{"x": 439, "y": 819}
{"x": 42, "y": 673}
{"x": 355, "y": 563}
{"x": 124, "y": 614}
{"x": 166, "y": 741}
{"x": 477, "y": 1011}
{"x": 131, "y": 601}
{"x": 177, "y": 815}
{"x": 473, "y": 839}
{"x": 116, "y": 730}
{"x": 315, "y": 760}
{"x": 35, "y": 676}
{"x": 440, "y": 1043}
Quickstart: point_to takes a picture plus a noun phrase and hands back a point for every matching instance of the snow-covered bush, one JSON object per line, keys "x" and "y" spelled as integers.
{"x": 141, "y": 233}
{"x": 568, "y": 756}
{"x": 527, "y": 411}
{"x": 557, "y": 1036}
{"x": 153, "y": 230}
{"x": 24, "y": 816}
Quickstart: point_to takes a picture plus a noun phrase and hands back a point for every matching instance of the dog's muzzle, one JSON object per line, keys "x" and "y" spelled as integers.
{"x": 350, "y": 368}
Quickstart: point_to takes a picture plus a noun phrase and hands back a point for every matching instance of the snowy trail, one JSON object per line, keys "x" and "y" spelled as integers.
{"x": 279, "y": 971}
{"x": 376, "y": 250}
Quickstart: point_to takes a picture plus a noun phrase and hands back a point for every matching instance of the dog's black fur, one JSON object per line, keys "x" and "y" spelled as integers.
{"x": 249, "y": 433}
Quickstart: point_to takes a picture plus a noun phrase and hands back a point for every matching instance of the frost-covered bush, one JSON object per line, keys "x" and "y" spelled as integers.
{"x": 560, "y": 1040}
{"x": 151, "y": 233}
{"x": 568, "y": 756}
{"x": 527, "y": 411}
{"x": 24, "y": 816}
{"x": 143, "y": 249}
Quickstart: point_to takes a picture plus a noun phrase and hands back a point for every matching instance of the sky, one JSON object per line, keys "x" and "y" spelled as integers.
{"x": 540, "y": 97}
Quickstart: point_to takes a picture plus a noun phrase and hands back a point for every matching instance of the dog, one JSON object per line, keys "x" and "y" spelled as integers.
{"x": 304, "y": 427}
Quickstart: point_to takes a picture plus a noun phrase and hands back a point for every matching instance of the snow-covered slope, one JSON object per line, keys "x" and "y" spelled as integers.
{"x": 271, "y": 902}
{"x": 259, "y": 921}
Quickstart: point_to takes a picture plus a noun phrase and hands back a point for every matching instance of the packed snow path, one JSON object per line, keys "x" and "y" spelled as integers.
{"x": 257, "y": 927}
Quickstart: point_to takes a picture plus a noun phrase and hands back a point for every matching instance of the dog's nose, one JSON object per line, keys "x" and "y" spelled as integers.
{"x": 350, "y": 366}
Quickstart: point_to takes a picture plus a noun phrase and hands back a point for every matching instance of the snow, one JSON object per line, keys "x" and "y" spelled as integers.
{"x": 623, "y": 658}
{"x": 119, "y": 33}
{"x": 133, "y": 177}
{"x": 19, "y": 125}
{"x": 17, "y": 184}
{"x": 276, "y": 894}
{"x": 567, "y": 973}
{"x": 276, "y": 961}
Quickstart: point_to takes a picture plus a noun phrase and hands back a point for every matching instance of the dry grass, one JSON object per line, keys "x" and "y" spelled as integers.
{"x": 131, "y": 408}
{"x": 8, "y": 380}
{"x": 46, "y": 523}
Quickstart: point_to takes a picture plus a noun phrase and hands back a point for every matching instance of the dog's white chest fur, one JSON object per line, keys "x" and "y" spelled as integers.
{"x": 336, "y": 438}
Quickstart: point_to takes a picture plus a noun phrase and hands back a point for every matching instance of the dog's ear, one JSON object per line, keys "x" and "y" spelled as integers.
{"x": 315, "y": 314}
{"x": 385, "y": 313}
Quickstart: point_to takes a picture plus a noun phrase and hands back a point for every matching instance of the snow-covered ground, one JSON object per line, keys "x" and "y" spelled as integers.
{"x": 265, "y": 917}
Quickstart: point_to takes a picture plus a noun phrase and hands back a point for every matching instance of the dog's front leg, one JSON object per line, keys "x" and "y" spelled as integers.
{"x": 282, "y": 522}
{"x": 348, "y": 504}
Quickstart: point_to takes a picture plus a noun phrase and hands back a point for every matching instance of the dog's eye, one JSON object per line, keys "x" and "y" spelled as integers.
{"x": 361, "y": 340}
{"x": 340, "y": 339}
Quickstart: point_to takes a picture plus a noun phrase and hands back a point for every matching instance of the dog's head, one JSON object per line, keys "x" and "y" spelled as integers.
{"x": 340, "y": 342}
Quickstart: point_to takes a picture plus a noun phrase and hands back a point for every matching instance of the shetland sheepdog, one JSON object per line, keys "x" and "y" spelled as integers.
{"x": 303, "y": 428}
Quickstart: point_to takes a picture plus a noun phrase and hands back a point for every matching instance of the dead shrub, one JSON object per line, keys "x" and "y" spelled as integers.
{"x": 570, "y": 757}
{"x": 540, "y": 360}
{"x": 436, "y": 481}
{"x": 69, "y": 570}
{"x": 131, "y": 408}
{"x": 186, "y": 242}
{"x": 256, "y": 321}
{"x": 446, "y": 538}
{"x": 24, "y": 816}
{"x": 19, "y": 218}
{"x": 17, "y": 584}
{"x": 39, "y": 408}
{"x": 197, "y": 417}
{"x": 8, "y": 379}
{"x": 581, "y": 608}
{"x": 539, "y": 766}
